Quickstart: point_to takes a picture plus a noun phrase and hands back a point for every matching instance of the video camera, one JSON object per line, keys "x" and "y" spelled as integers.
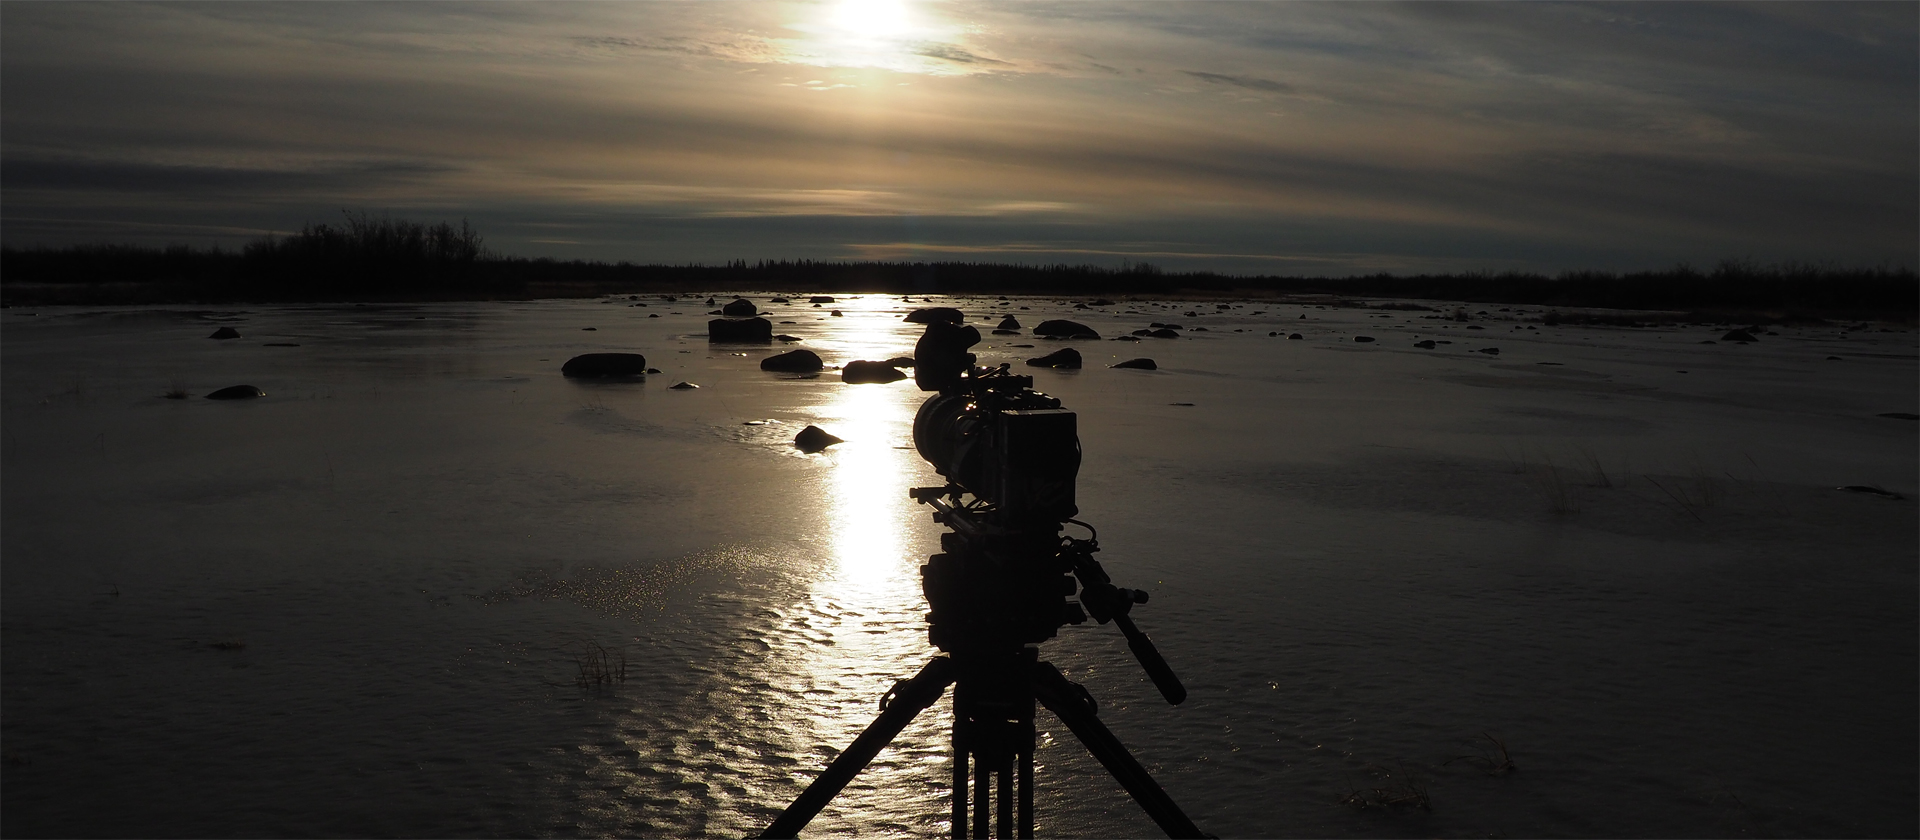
{"x": 991, "y": 434}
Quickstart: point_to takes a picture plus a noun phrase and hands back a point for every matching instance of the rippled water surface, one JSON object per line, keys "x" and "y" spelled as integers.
{"x": 359, "y": 605}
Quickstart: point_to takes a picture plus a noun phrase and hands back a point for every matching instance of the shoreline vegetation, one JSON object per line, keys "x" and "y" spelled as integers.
{"x": 368, "y": 259}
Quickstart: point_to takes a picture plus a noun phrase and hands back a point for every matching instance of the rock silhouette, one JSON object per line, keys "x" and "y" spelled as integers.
{"x": 1066, "y": 359}
{"x": 794, "y": 361}
{"x": 225, "y": 333}
{"x": 1738, "y": 335}
{"x": 1163, "y": 332}
{"x": 933, "y": 314}
{"x": 1295, "y": 337}
{"x": 682, "y": 386}
{"x": 1009, "y": 323}
{"x": 1424, "y": 345}
{"x": 814, "y": 439}
{"x": 820, "y": 299}
{"x": 1069, "y": 329}
{"x": 862, "y": 372}
{"x": 900, "y": 362}
{"x": 237, "y": 392}
{"x": 597, "y": 365}
{"x": 1138, "y": 364}
{"x": 739, "y": 307}
{"x": 743, "y": 331}
{"x": 1363, "y": 339}
{"x": 1491, "y": 351}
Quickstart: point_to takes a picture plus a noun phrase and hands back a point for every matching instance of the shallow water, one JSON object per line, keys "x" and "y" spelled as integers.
{"x": 1362, "y": 556}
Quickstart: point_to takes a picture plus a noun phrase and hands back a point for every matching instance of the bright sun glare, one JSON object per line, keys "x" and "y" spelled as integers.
{"x": 878, "y": 19}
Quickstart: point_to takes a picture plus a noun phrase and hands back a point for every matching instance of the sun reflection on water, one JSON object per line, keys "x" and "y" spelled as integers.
{"x": 867, "y": 602}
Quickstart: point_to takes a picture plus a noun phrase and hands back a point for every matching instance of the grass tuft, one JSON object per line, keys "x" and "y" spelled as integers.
{"x": 1495, "y": 761}
{"x": 599, "y": 666}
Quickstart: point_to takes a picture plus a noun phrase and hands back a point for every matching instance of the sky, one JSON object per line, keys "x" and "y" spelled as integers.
{"x": 1245, "y": 138}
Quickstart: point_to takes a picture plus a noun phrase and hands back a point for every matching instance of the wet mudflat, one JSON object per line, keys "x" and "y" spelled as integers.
{"x": 362, "y": 604}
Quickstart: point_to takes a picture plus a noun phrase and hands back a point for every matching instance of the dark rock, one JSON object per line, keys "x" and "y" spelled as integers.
{"x": 712, "y": 302}
{"x": 653, "y": 316}
{"x": 1363, "y": 339}
{"x": 814, "y": 439}
{"x": 1006, "y": 332}
{"x": 795, "y": 361}
{"x": 1862, "y": 488}
{"x": 1900, "y": 415}
{"x": 1102, "y": 302}
{"x": 1065, "y": 328}
{"x": 1475, "y": 327}
{"x": 1491, "y": 351}
{"x": 1138, "y": 364}
{"x": 836, "y": 314}
{"x": 1143, "y": 332}
{"x": 1295, "y": 337}
{"x": 936, "y": 314}
{"x": 1833, "y": 358}
{"x": 743, "y": 331}
{"x": 237, "y": 392}
{"x": 1066, "y": 359}
{"x": 739, "y": 308}
{"x": 1199, "y": 329}
{"x": 777, "y": 300}
{"x": 1738, "y": 335}
{"x": 653, "y": 370}
{"x": 862, "y": 372}
{"x": 589, "y": 329}
{"x": 1163, "y": 333}
{"x": 1009, "y": 323}
{"x": 900, "y": 362}
{"x": 1424, "y": 345}
{"x": 1272, "y": 334}
{"x": 820, "y": 299}
{"x": 597, "y": 365}
{"x": 683, "y": 386}
{"x": 225, "y": 333}
{"x": 714, "y": 312}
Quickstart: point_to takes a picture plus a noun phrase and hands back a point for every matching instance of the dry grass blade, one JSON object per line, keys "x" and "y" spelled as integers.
{"x": 1496, "y": 762}
{"x": 599, "y": 665}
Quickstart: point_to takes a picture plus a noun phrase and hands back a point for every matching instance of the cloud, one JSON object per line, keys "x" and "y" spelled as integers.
{"x": 1248, "y": 82}
{"x": 950, "y": 52}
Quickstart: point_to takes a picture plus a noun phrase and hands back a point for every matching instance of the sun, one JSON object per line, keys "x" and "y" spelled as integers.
{"x": 876, "y": 19}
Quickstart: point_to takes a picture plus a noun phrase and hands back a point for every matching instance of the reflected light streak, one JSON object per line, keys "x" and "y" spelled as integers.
{"x": 868, "y": 602}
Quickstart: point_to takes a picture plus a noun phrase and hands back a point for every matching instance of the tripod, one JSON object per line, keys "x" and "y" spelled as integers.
{"x": 995, "y": 591}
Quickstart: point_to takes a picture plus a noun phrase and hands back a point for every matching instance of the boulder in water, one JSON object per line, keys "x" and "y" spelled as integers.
{"x": 814, "y": 439}
{"x": 225, "y": 333}
{"x": 739, "y": 308}
{"x": 1424, "y": 345}
{"x": 820, "y": 299}
{"x": 1295, "y": 337}
{"x": 1738, "y": 335}
{"x": 1069, "y": 329}
{"x": 1138, "y": 364}
{"x": 1163, "y": 332}
{"x": 598, "y": 365}
{"x": 1009, "y": 323}
{"x": 1363, "y": 339}
{"x": 862, "y": 372}
{"x": 237, "y": 392}
{"x": 900, "y": 362}
{"x": 939, "y": 314}
{"x": 742, "y": 331}
{"x": 1491, "y": 351}
{"x": 793, "y": 361}
{"x": 1066, "y": 359}
{"x": 683, "y": 386}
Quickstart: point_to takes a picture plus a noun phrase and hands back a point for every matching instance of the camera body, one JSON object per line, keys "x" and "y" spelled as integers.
{"x": 989, "y": 433}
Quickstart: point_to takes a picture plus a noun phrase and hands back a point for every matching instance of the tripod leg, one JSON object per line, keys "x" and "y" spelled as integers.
{"x": 959, "y": 773}
{"x": 1068, "y": 701}
{"x": 910, "y": 697}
